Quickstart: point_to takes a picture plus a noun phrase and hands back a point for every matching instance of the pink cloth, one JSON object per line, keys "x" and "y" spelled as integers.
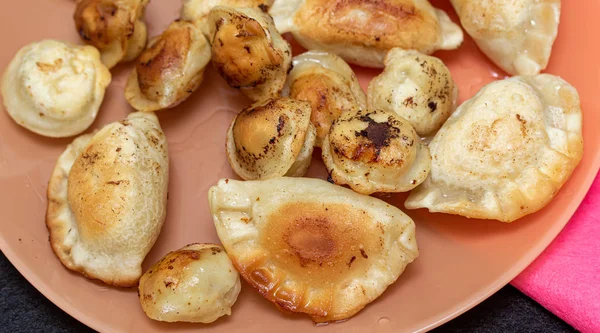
{"x": 565, "y": 278}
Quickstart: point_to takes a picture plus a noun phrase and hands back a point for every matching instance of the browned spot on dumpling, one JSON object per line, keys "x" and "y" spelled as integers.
{"x": 45, "y": 67}
{"x": 368, "y": 142}
{"x": 324, "y": 236}
{"x": 310, "y": 239}
{"x": 378, "y": 133}
{"x": 311, "y": 242}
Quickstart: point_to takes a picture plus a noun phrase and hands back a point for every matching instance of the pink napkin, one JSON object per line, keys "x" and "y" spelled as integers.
{"x": 565, "y": 278}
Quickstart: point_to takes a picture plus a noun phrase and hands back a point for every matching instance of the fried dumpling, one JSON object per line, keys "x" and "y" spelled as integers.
{"x": 170, "y": 69}
{"x": 196, "y": 283}
{"x": 115, "y": 27}
{"x": 362, "y": 32}
{"x": 55, "y": 89}
{"x": 248, "y": 51}
{"x": 506, "y": 152}
{"x": 375, "y": 151}
{"x": 416, "y": 87}
{"x": 310, "y": 246}
{"x": 197, "y": 10}
{"x": 328, "y": 83}
{"x": 517, "y": 35}
{"x": 270, "y": 139}
{"x": 107, "y": 199}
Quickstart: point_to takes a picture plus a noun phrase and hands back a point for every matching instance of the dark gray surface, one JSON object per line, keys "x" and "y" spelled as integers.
{"x": 23, "y": 310}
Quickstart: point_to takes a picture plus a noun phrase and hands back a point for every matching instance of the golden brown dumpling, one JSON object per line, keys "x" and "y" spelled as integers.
{"x": 416, "y": 87}
{"x": 248, "y": 51}
{"x": 170, "y": 69}
{"x": 310, "y": 246}
{"x": 517, "y": 35}
{"x": 197, "y": 10}
{"x": 107, "y": 199}
{"x": 506, "y": 152}
{"x": 362, "y": 32}
{"x": 375, "y": 151}
{"x": 196, "y": 283}
{"x": 271, "y": 139}
{"x": 115, "y": 27}
{"x": 329, "y": 84}
{"x": 54, "y": 88}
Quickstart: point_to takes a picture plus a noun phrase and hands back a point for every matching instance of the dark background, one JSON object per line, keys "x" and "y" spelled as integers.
{"x": 24, "y": 309}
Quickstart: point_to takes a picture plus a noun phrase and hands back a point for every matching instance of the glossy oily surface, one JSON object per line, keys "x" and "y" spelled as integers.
{"x": 461, "y": 261}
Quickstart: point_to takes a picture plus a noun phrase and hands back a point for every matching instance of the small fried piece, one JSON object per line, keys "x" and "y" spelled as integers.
{"x": 329, "y": 84}
{"x": 170, "y": 69}
{"x": 248, "y": 51}
{"x": 270, "y": 139}
{"x": 375, "y": 151}
{"x": 115, "y": 27}
{"x": 196, "y": 283}
{"x": 416, "y": 87}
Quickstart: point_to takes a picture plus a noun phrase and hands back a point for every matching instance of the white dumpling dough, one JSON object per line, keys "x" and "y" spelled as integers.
{"x": 55, "y": 89}
{"x": 517, "y": 35}
{"x": 506, "y": 152}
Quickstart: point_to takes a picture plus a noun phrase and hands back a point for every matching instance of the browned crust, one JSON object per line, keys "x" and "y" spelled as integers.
{"x": 323, "y": 242}
{"x": 248, "y": 51}
{"x": 58, "y": 233}
{"x": 176, "y": 60}
{"x": 391, "y": 23}
{"x": 259, "y": 137}
{"x": 326, "y": 97}
{"x": 367, "y": 144}
{"x": 165, "y": 57}
{"x": 242, "y": 70}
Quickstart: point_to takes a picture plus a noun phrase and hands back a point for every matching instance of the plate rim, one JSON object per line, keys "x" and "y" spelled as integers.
{"x": 443, "y": 318}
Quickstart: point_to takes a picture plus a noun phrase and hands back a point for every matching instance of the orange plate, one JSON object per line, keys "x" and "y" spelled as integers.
{"x": 462, "y": 261}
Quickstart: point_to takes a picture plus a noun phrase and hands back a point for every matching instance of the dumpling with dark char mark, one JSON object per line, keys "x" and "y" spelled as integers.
{"x": 310, "y": 246}
{"x": 270, "y": 139}
{"x": 375, "y": 151}
{"x": 248, "y": 51}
